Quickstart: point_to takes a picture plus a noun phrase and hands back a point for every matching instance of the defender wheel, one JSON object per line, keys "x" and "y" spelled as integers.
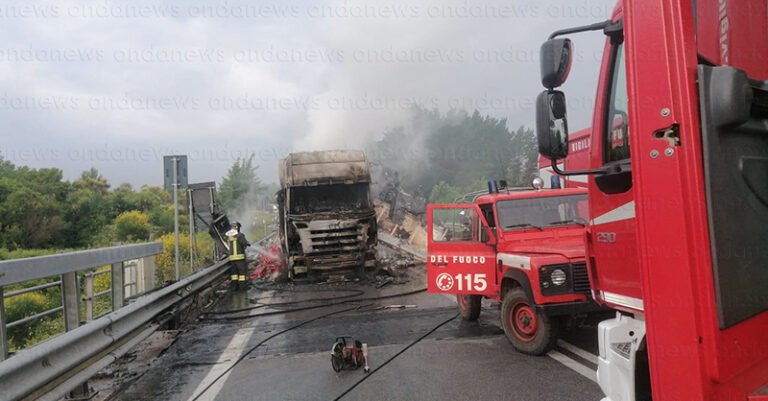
{"x": 469, "y": 306}
{"x": 530, "y": 332}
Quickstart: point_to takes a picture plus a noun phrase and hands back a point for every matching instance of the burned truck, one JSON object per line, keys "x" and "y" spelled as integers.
{"x": 327, "y": 220}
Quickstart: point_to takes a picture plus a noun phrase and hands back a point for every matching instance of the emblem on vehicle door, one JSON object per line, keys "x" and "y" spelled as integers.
{"x": 444, "y": 281}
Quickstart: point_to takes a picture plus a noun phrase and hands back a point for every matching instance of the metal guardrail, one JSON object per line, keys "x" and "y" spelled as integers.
{"x": 20, "y": 270}
{"x": 52, "y": 369}
{"x": 66, "y": 265}
{"x": 57, "y": 366}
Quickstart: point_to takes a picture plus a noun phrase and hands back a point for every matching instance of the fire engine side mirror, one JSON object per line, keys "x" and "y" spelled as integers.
{"x": 552, "y": 124}
{"x": 556, "y": 56}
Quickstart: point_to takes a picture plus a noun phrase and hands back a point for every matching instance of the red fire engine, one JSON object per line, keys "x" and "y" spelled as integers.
{"x": 523, "y": 248}
{"x": 678, "y": 195}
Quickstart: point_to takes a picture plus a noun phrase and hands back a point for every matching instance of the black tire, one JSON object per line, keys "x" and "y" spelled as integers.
{"x": 283, "y": 275}
{"x": 469, "y": 306}
{"x": 337, "y": 361}
{"x": 360, "y": 272}
{"x": 529, "y": 331}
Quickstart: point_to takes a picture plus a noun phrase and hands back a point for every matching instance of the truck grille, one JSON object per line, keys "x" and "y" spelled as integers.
{"x": 580, "y": 277}
{"x": 335, "y": 239}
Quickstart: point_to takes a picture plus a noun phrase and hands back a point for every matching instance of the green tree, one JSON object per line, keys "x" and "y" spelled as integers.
{"x": 132, "y": 226}
{"x": 87, "y": 212}
{"x": 30, "y": 206}
{"x": 524, "y": 161}
{"x": 443, "y": 193}
{"x": 240, "y": 184}
{"x": 457, "y": 149}
{"x": 161, "y": 218}
{"x": 92, "y": 181}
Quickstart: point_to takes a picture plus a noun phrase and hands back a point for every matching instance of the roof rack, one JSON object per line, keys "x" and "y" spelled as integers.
{"x": 477, "y": 194}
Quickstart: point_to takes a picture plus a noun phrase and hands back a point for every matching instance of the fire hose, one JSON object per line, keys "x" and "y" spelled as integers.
{"x": 223, "y": 315}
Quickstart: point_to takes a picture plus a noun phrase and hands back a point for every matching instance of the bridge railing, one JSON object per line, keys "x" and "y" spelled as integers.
{"x": 136, "y": 260}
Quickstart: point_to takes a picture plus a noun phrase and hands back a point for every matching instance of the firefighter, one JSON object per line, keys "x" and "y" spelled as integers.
{"x": 237, "y": 244}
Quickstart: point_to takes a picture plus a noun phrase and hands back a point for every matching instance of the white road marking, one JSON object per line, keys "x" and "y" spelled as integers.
{"x": 234, "y": 350}
{"x": 578, "y": 351}
{"x": 230, "y": 354}
{"x": 573, "y": 365}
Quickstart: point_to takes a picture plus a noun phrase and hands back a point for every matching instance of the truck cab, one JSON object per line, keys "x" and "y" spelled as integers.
{"x": 327, "y": 222}
{"x": 522, "y": 248}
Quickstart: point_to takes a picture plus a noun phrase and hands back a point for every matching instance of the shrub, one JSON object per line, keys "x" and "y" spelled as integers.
{"x": 165, "y": 262}
{"x": 132, "y": 226}
{"x": 22, "y": 306}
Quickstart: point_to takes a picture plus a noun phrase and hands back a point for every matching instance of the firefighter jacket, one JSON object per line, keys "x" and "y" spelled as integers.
{"x": 237, "y": 245}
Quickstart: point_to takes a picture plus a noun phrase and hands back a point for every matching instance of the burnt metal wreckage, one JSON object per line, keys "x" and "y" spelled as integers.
{"x": 326, "y": 218}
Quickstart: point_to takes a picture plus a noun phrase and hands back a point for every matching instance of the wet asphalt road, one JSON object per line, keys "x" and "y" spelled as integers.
{"x": 459, "y": 361}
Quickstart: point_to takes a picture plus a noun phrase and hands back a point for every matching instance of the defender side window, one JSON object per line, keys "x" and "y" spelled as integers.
{"x": 455, "y": 225}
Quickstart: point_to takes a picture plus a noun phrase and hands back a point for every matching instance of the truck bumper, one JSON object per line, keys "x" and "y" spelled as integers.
{"x": 618, "y": 351}
{"x": 569, "y": 308}
{"x": 304, "y": 264}
{"x": 340, "y": 261}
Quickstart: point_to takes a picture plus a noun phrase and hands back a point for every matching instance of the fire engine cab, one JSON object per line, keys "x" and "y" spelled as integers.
{"x": 522, "y": 248}
{"x": 678, "y": 195}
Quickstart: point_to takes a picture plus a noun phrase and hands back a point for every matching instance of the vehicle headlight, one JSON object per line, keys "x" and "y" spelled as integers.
{"x": 557, "y": 277}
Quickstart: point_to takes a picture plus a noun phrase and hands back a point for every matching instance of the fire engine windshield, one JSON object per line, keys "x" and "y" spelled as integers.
{"x": 538, "y": 213}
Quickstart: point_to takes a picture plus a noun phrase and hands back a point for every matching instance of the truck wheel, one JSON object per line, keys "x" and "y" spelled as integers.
{"x": 282, "y": 276}
{"x": 469, "y": 306}
{"x": 528, "y": 331}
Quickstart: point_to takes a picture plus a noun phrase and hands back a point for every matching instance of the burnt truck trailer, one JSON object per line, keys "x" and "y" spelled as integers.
{"x": 327, "y": 219}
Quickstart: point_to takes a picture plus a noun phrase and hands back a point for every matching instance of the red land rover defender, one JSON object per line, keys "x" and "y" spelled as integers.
{"x": 523, "y": 248}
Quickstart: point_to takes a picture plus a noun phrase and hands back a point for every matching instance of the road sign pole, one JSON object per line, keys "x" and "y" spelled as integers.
{"x": 176, "y": 212}
{"x": 192, "y": 239}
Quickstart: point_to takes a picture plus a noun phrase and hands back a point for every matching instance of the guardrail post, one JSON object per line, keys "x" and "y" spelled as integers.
{"x": 70, "y": 299}
{"x": 3, "y": 335}
{"x": 145, "y": 274}
{"x": 129, "y": 281}
{"x": 118, "y": 288}
{"x": 88, "y": 297}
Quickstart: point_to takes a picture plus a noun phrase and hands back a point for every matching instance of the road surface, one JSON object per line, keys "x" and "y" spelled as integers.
{"x": 230, "y": 359}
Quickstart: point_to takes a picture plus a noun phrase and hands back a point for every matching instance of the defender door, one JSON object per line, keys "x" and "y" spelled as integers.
{"x": 461, "y": 254}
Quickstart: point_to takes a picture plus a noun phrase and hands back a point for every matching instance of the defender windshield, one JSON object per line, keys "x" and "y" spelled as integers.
{"x": 538, "y": 213}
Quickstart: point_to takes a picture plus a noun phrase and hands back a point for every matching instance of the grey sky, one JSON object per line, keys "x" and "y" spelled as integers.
{"x": 117, "y": 84}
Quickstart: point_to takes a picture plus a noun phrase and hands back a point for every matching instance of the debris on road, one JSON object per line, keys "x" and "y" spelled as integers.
{"x": 393, "y": 268}
{"x": 396, "y": 306}
{"x": 381, "y": 280}
{"x": 132, "y": 365}
{"x": 269, "y": 264}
